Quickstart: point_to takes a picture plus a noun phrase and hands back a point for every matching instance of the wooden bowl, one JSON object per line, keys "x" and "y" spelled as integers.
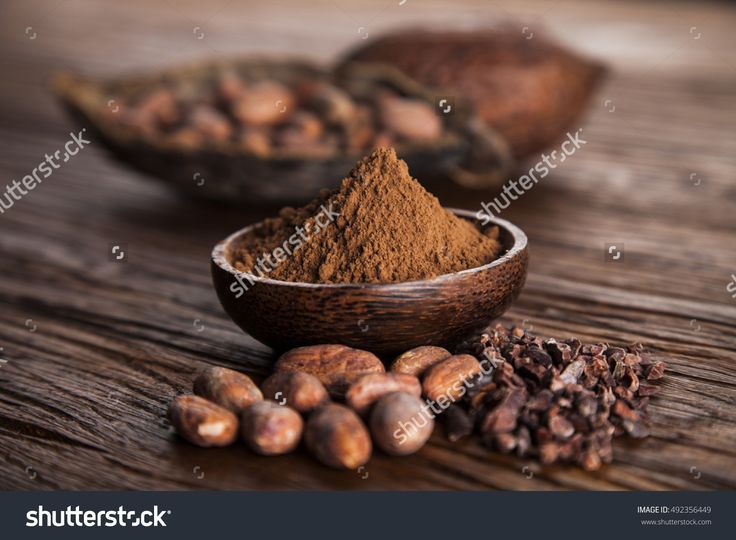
{"x": 386, "y": 319}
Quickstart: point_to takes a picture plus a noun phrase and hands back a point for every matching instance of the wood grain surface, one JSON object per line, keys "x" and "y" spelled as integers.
{"x": 93, "y": 350}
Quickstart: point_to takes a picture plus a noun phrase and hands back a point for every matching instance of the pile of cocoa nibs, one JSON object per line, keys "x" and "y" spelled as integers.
{"x": 556, "y": 401}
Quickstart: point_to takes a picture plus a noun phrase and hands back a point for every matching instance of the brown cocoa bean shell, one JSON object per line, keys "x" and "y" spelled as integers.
{"x": 531, "y": 91}
{"x": 336, "y": 366}
{"x": 202, "y": 422}
{"x": 369, "y": 388}
{"x": 417, "y": 360}
{"x": 445, "y": 381}
{"x": 337, "y": 437}
{"x": 271, "y": 429}
{"x": 228, "y": 388}
{"x": 301, "y": 391}
{"x": 401, "y": 423}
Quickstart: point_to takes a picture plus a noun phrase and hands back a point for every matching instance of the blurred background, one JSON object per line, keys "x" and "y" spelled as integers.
{"x": 107, "y": 37}
{"x": 671, "y": 65}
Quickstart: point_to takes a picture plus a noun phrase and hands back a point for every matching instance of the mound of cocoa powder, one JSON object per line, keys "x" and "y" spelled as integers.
{"x": 380, "y": 226}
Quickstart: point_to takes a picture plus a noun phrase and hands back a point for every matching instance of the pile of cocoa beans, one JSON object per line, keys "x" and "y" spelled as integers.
{"x": 340, "y": 400}
{"x": 308, "y": 117}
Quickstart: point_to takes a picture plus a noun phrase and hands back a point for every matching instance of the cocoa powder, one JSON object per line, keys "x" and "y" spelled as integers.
{"x": 389, "y": 229}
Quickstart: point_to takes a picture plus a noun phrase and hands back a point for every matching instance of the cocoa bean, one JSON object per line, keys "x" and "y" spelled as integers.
{"x": 255, "y": 140}
{"x": 186, "y": 137}
{"x": 416, "y": 361}
{"x": 410, "y": 118}
{"x": 401, "y": 423}
{"x": 320, "y": 149}
{"x": 333, "y": 104}
{"x": 368, "y": 389}
{"x": 159, "y": 105}
{"x": 230, "y": 88}
{"x": 307, "y": 125}
{"x": 336, "y": 366}
{"x": 202, "y": 422}
{"x": 301, "y": 391}
{"x": 271, "y": 429}
{"x": 337, "y": 437}
{"x": 447, "y": 380}
{"x": 264, "y": 103}
{"x": 211, "y": 123}
{"x": 228, "y": 388}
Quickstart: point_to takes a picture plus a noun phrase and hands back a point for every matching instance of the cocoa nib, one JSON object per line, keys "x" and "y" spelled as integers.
{"x": 656, "y": 371}
{"x": 559, "y": 401}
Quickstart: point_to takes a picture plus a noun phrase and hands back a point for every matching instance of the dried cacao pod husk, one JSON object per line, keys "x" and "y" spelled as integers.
{"x": 531, "y": 91}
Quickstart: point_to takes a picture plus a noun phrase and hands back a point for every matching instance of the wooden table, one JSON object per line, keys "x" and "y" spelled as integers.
{"x": 94, "y": 349}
